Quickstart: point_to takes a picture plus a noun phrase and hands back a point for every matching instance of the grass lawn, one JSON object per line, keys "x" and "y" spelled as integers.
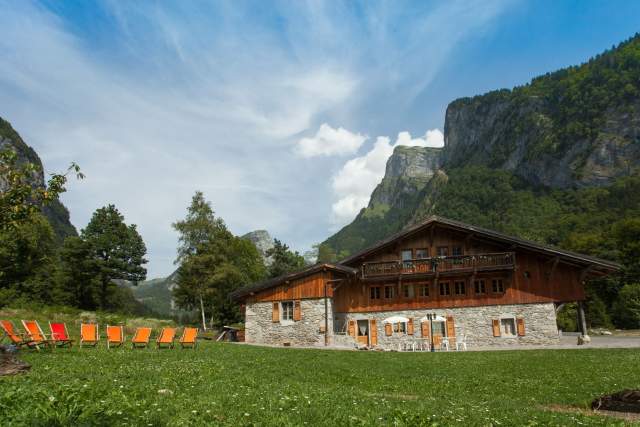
{"x": 245, "y": 385}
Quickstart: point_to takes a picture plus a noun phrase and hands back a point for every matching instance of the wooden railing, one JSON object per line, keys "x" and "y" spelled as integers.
{"x": 439, "y": 264}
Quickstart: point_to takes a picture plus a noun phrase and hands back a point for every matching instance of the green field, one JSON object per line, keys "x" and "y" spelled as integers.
{"x": 236, "y": 384}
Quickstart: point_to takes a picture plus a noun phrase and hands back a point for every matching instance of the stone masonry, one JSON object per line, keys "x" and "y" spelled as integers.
{"x": 260, "y": 329}
{"x": 475, "y": 323}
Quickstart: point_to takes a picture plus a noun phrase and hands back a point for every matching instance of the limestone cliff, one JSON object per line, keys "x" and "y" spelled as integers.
{"x": 263, "y": 241}
{"x": 55, "y": 212}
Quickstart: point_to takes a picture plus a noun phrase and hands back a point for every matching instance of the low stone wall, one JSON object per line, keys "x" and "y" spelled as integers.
{"x": 260, "y": 329}
{"x": 476, "y": 324}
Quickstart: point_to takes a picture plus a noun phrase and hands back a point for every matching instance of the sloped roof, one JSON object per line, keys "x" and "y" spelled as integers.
{"x": 257, "y": 287}
{"x": 490, "y": 235}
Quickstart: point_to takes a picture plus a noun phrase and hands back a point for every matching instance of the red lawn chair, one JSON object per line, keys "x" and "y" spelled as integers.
{"x": 60, "y": 334}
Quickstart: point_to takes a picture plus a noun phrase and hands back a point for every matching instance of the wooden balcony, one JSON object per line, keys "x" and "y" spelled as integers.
{"x": 431, "y": 266}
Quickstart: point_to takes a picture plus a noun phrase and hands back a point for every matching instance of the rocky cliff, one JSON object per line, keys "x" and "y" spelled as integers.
{"x": 55, "y": 212}
{"x": 575, "y": 128}
{"x": 263, "y": 241}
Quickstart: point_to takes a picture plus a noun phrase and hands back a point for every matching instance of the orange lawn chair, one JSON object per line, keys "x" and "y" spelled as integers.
{"x": 35, "y": 333}
{"x": 60, "y": 334}
{"x": 115, "y": 336}
{"x": 89, "y": 334}
{"x": 141, "y": 338}
{"x": 166, "y": 337}
{"x": 16, "y": 338}
{"x": 189, "y": 337}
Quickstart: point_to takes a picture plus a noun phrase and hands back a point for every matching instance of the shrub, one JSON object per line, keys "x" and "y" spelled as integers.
{"x": 626, "y": 310}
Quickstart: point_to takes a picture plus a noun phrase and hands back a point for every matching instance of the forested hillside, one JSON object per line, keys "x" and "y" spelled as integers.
{"x": 556, "y": 161}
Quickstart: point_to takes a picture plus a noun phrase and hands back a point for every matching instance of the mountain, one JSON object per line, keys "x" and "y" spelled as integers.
{"x": 156, "y": 295}
{"x": 555, "y": 160}
{"x": 263, "y": 241}
{"x": 55, "y": 212}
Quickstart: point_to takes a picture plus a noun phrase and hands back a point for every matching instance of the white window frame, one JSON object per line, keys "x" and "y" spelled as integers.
{"x": 512, "y": 318}
{"x": 282, "y": 312}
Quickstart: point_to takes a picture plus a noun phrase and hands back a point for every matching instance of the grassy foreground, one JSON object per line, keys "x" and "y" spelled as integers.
{"x": 244, "y": 385}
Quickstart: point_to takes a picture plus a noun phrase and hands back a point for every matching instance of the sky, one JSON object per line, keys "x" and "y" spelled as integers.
{"x": 283, "y": 113}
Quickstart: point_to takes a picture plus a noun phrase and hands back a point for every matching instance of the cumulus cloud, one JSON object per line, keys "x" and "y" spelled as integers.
{"x": 357, "y": 179}
{"x": 329, "y": 142}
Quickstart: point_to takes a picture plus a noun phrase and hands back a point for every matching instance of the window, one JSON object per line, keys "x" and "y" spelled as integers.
{"x": 424, "y": 290}
{"x": 400, "y": 328}
{"x": 374, "y": 292}
{"x": 460, "y": 287}
{"x": 456, "y": 250}
{"x": 389, "y": 292}
{"x": 439, "y": 327}
{"x": 443, "y": 251}
{"x": 406, "y": 255}
{"x": 286, "y": 308}
{"x": 444, "y": 288}
{"x": 479, "y": 286}
{"x": 407, "y": 291}
{"x": 508, "y": 327}
{"x": 497, "y": 286}
{"x": 422, "y": 253}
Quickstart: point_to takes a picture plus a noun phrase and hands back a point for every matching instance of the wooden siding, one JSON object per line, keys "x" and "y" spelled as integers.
{"x": 535, "y": 279}
{"x": 311, "y": 286}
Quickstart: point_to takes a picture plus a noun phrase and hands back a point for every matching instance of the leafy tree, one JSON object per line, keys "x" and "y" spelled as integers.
{"x": 27, "y": 255}
{"x": 627, "y": 307}
{"x": 19, "y": 198}
{"x": 116, "y": 249}
{"x": 212, "y": 263}
{"x": 284, "y": 259}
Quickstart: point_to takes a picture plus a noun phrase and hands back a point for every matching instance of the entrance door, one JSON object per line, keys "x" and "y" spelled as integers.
{"x": 363, "y": 332}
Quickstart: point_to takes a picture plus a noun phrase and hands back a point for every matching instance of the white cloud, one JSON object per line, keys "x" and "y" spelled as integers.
{"x": 329, "y": 141}
{"x": 357, "y": 179}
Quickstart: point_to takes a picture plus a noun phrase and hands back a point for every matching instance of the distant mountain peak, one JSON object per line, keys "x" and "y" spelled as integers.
{"x": 263, "y": 241}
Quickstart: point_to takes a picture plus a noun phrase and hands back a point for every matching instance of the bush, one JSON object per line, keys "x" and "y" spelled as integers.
{"x": 626, "y": 309}
{"x": 567, "y": 319}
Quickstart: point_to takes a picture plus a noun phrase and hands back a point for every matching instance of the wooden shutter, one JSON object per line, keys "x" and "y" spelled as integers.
{"x": 352, "y": 328}
{"x": 410, "y": 327}
{"x": 388, "y": 329}
{"x": 297, "y": 311}
{"x": 373, "y": 332}
{"x": 275, "y": 314}
{"x": 424, "y": 326}
{"x": 520, "y": 323}
{"x": 451, "y": 329}
{"x": 496, "y": 327}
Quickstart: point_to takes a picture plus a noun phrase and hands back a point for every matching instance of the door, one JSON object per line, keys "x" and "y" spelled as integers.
{"x": 363, "y": 332}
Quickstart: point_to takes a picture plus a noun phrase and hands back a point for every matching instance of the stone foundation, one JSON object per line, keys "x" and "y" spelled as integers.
{"x": 475, "y": 323}
{"x": 260, "y": 329}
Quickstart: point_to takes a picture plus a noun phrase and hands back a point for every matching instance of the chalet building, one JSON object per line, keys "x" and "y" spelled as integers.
{"x": 439, "y": 282}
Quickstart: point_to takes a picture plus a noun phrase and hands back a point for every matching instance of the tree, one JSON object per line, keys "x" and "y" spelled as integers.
{"x": 284, "y": 260}
{"x": 78, "y": 275}
{"x": 116, "y": 249}
{"x": 212, "y": 263}
{"x": 20, "y": 199}
{"x": 626, "y": 309}
{"x": 27, "y": 255}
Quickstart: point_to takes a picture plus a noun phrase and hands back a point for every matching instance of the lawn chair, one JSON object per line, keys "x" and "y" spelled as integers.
{"x": 89, "y": 334}
{"x": 60, "y": 334}
{"x": 35, "y": 333}
{"x": 141, "y": 338}
{"x": 166, "y": 338}
{"x": 115, "y": 336}
{"x": 17, "y": 339}
{"x": 461, "y": 342}
{"x": 189, "y": 337}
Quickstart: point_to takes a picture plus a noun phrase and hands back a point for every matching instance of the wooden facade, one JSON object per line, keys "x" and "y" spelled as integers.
{"x": 440, "y": 264}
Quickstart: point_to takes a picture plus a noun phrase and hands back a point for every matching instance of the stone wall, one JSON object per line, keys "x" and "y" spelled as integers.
{"x": 476, "y": 324}
{"x": 260, "y": 328}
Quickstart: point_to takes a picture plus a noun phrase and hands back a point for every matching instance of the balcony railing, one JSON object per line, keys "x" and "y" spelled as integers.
{"x": 439, "y": 264}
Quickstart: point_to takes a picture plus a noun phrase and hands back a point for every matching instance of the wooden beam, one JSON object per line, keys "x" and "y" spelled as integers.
{"x": 584, "y": 273}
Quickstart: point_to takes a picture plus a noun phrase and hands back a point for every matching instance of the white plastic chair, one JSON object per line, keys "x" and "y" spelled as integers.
{"x": 444, "y": 345}
{"x": 461, "y": 342}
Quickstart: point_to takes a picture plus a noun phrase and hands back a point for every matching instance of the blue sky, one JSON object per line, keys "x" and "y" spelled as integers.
{"x": 283, "y": 113}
